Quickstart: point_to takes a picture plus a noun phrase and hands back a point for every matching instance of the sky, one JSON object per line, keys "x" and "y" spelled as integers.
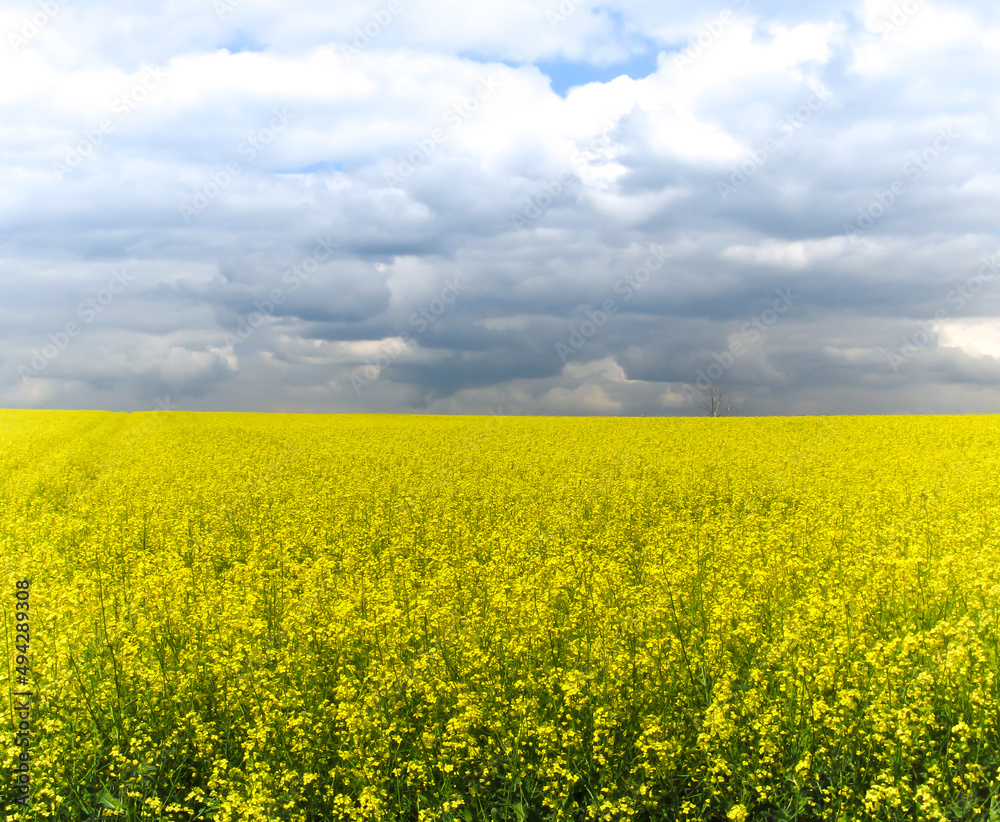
{"x": 526, "y": 207}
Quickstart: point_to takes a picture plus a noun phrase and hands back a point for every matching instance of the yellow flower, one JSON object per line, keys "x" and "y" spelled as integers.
{"x": 737, "y": 813}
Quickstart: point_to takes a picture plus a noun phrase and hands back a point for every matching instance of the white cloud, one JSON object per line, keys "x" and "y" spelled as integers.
{"x": 977, "y": 338}
{"x": 589, "y": 399}
{"x": 795, "y": 255}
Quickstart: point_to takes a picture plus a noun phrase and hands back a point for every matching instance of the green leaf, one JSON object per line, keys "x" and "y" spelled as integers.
{"x": 106, "y": 800}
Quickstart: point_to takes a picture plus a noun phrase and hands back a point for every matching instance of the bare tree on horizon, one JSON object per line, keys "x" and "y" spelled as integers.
{"x": 716, "y": 403}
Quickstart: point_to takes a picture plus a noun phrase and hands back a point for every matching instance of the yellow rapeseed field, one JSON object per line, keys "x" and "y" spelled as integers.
{"x": 239, "y": 616}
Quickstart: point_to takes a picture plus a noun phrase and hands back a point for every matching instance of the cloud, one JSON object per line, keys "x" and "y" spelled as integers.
{"x": 975, "y": 338}
{"x": 291, "y": 192}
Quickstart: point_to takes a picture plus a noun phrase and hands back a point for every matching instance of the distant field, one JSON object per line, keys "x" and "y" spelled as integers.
{"x": 237, "y": 616}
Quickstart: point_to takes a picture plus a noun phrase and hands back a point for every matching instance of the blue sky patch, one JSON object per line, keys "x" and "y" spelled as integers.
{"x": 565, "y": 75}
